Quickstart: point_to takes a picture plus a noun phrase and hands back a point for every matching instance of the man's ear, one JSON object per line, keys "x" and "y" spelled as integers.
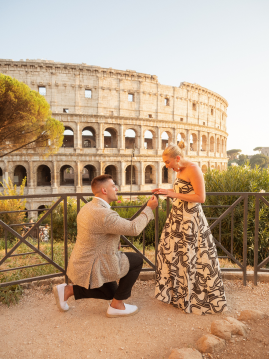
{"x": 104, "y": 191}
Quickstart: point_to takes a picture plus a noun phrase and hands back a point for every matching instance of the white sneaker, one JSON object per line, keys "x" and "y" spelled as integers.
{"x": 129, "y": 310}
{"x": 58, "y": 291}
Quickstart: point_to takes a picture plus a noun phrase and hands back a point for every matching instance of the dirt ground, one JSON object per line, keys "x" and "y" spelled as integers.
{"x": 35, "y": 328}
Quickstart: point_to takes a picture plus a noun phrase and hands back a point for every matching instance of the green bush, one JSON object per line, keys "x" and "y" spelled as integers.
{"x": 239, "y": 179}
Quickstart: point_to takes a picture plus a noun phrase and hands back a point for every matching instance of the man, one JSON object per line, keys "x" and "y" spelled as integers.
{"x": 96, "y": 263}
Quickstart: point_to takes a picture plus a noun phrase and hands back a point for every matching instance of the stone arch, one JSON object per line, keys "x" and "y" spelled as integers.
{"x": 67, "y": 176}
{"x": 131, "y": 138}
{"x": 166, "y": 138}
{"x": 43, "y": 176}
{"x": 113, "y": 172}
{"x": 181, "y": 137}
{"x": 41, "y": 212}
{"x": 19, "y": 174}
{"x": 212, "y": 144}
{"x": 204, "y": 168}
{"x": 149, "y": 139}
{"x": 68, "y": 137}
{"x": 128, "y": 175}
{"x": 167, "y": 175}
{"x": 218, "y": 145}
{"x": 88, "y": 137}
{"x": 193, "y": 142}
{"x": 204, "y": 143}
{"x": 150, "y": 174}
{"x": 110, "y": 138}
{"x": 88, "y": 174}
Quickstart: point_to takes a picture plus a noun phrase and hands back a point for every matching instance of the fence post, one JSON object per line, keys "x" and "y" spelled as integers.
{"x": 78, "y": 204}
{"x": 156, "y": 231}
{"x": 65, "y": 239}
{"x": 245, "y": 240}
{"x": 256, "y": 239}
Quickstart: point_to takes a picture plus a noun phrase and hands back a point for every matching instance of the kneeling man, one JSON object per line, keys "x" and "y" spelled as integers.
{"x": 96, "y": 262}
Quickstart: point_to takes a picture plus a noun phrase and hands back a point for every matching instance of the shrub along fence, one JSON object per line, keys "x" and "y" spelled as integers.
{"x": 237, "y": 221}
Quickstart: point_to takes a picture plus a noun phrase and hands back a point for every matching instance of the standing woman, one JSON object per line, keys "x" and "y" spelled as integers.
{"x": 188, "y": 272}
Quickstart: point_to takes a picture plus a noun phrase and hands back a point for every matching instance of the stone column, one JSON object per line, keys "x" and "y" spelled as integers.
{"x": 100, "y": 138}
{"x": 199, "y": 143}
{"x": 122, "y": 174}
{"x": 122, "y": 139}
{"x": 30, "y": 179}
{"x": 142, "y": 175}
{"x": 100, "y": 168}
{"x": 215, "y": 148}
{"x": 159, "y": 174}
{"x": 141, "y": 139}
{"x": 79, "y": 136}
{"x": 55, "y": 184}
{"x": 187, "y": 142}
{"x": 158, "y": 142}
{"x": 78, "y": 187}
{"x": 208, "y": 143}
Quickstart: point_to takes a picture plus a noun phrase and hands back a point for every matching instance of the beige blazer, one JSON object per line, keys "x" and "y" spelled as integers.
{"x": 95, "y": 259}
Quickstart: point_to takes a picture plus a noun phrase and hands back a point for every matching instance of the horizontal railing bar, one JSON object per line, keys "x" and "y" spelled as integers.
{"x": 147, "y": 270}
{"x": 216, "y": 206}
{"x": 16, "y": 268}
{"x": 231, "y": 269}
{"x": 27, "y": 210}
{"x": 125, "y": 206}
{"x": 22, "y": 254}
{"x": 27, "y": 280}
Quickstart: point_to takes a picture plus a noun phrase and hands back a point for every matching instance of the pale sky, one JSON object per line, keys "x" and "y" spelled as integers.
{"x": 220, "y": 45}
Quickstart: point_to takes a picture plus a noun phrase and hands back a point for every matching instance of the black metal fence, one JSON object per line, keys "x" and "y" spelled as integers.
{"x": 33, "y": 230}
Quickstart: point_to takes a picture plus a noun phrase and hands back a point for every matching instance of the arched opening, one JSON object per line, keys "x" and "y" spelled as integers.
{"x": 148, "y": 140}
{"x": 1, "y": 177}
{"x": 67, "y": 176}
{"x": 43, "y": 176}
{"x": 166, "y": 138}
{"x": 181, "y": 137}
{"x": 218, "y": 167}
{"x": 110, "y": 138}
{"x": 131, "y": 175}
{"x": 193, "y": 142}
{"x": 88, "y": 138}
{"x": 204, "y": 143}
{"x": 19, "y": 174}
{"x": 130, "y": 139}
{"x": 204, "y": 168}
{"x": 68, "y": 137}
{"x": 212, "y": 144}
{"x": 218, "y": 145}
{"x": 88, "y": 174}
{"x": 148, "y": 174}
{"x": 41, "y": 212}
{"x": 26, "y": 213}
{"x": 112, "y": 171}
{"x": 166, "y": 175}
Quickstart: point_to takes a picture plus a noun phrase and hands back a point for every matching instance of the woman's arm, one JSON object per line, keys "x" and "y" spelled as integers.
{"x": 197, "y": 180}
{"x": 155, "y": 190}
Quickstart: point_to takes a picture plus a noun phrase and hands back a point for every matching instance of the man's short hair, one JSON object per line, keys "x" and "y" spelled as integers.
{"x": 99, "y": 180}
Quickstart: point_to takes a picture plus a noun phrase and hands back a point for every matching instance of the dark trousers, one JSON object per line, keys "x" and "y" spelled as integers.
{"x": 112, "y": 289}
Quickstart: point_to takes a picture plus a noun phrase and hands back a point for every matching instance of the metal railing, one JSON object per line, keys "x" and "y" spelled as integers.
{"x": 215, "y": 221}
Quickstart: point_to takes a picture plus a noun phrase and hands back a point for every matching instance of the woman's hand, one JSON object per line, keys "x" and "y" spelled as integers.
{"x": 164, "y": 192}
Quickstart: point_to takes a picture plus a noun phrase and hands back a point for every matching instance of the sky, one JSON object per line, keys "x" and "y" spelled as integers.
{"x": 220, "y": 45}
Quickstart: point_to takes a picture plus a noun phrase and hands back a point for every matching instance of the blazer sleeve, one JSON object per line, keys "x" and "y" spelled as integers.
{"x": 114, "y": 224}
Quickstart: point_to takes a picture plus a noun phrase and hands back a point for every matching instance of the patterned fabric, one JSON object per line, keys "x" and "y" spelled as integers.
{"x": 95, "y": 259}
{"x": 188, "y": 272}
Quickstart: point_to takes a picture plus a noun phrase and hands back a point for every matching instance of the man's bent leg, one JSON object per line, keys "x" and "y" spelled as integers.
{"x": 126, "y": 283}
{"x": 107, "y": 291}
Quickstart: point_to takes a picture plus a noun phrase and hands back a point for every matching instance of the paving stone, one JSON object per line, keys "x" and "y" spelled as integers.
{"x": 224, "y": 328}
{"x": 185, "y": 353}
{"x": 251, "y": 315}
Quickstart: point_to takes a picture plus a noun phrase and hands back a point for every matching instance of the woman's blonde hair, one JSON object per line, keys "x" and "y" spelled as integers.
{"x": 176, "y": 150}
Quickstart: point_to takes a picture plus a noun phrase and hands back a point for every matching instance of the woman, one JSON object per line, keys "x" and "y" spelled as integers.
{"x": 188, "y": 272}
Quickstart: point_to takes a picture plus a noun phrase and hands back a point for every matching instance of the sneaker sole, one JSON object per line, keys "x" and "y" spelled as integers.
{"x": 121, "y": 315}
{"x": 56, "y": 295}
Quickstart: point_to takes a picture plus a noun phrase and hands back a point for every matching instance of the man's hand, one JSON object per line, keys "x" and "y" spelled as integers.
{"x": 153, "y": 202}
{"x": 119, "y": 246}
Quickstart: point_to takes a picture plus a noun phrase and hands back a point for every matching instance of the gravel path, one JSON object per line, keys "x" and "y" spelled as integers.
{"x": 36, "y": 329}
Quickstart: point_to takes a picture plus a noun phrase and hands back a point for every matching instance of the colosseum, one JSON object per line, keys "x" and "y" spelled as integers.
{"x": 113, "y": 119}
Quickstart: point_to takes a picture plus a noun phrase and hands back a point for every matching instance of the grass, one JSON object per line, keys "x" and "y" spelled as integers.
{"x": 11, "y": 294}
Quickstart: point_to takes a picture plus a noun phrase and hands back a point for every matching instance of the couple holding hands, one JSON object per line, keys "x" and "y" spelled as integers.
{"x": 188, "y": 272}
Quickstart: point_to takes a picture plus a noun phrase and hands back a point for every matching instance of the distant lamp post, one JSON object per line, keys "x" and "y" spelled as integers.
{"x": 133, "y": 151}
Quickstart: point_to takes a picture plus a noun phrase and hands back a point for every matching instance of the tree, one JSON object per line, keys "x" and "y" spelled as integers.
{"x": 259, "y": 160}
{"x": 25, "y": 120}
{"x": 258, "y": 149}
{"x": 232, "y": 154}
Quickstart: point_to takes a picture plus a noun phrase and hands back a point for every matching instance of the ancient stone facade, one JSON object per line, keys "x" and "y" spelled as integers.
{"x": 113, "y": 116}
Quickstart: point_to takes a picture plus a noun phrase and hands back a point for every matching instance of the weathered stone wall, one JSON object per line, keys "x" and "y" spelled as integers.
{"x": 188, "y": 112}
